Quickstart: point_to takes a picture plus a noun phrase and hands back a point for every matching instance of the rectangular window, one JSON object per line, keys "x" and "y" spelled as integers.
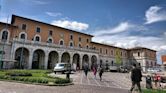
{"x": 71, "y": 37}
{"x": 138, "y": 53}
{"x": 38, "y": 29}
{"x": 50, "y": 33}
{"x": 106, "y": 51}
{"x": 23, "y": 26}
{"x": 100, "y": 50}
{"x": 80, "y": 39}
{"x": 87, "y": 40}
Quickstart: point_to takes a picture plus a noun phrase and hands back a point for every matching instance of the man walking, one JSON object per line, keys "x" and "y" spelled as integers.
{"x": 86, "y": 69}
{"x": 136, "y": 76}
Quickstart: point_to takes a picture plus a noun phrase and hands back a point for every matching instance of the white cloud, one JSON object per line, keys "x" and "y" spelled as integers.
{"x": 39, "y": 2}
{"x": 155, "y": 14}
{"x": 53, "y": 14}
{"x": 165, "y": 33}
{"x": 122, "y": 27}
{"x": 74, "y": 25}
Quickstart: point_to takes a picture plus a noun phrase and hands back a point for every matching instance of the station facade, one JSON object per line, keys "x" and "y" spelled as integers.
{"x": 33, "y": 44}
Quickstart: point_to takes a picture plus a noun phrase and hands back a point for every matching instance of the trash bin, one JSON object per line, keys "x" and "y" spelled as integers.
{"x": 148, "y": 82}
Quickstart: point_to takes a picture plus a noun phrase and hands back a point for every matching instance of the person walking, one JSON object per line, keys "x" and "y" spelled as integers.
{"x": 86, "y": 69}
{"x": 136, "y": 76}
{"x": 94, "y": 68}
{"x": 101, "y": 71}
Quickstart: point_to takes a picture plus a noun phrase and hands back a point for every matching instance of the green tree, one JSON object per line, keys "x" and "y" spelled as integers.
{"x": 118, "y": 58}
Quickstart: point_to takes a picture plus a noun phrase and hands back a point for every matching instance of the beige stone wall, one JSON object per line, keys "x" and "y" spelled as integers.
{"x": 58, "y": 33}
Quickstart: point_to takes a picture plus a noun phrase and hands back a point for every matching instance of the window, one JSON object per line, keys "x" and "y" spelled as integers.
{"x": 87, "y": 46}
{"x": 121, "y": 53}
{"x": 138, "y": 53}
{"x": 100, "y": 50}
{"x": 50, "y": 33}
{"x": 71, "y": 37}
{"x": 106, "y": 51}
{"x": 22, "y": 36}
{"x": 37, "y": 38}
{"x": 23, "y": 26}
{"x": 87, "y": 40}
{"x": 71, "y": 44}
{"x": 112, "y": 52}
{"x": 50, "y": 40}
{"x": 61, "y": 42}
{"x": 80, "y": 39}
{"x": 79, "y": 45}
{"x": 38, "y": 29}
{"x": 4, "y": 35}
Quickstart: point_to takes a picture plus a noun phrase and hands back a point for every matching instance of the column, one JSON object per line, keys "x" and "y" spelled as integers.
{"x": 90, "y": 63}
{"x": 59, "y": 58}
{"x": 30, "y": 60}
{"x": 71, "y": 60}
{"x": 80, "y": 62}
{"x": 46, "y": 61}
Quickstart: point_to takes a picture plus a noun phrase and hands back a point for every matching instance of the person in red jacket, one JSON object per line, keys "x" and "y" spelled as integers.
{"x": 157, "y": 79}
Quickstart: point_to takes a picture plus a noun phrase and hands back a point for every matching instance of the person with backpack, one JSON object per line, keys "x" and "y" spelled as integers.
{"x": 101, "y": 71}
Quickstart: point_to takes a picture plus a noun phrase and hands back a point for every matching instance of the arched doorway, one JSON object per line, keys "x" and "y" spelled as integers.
{"x": 65, "y": 57}
{"x": 85, "y": 60}
{"x": 38, "y": 59}
{"x": 52, "y": 59}
{"x": 94, "y": 61}
{"x": 76, "y": 60}
{"x": 22, "y": 55}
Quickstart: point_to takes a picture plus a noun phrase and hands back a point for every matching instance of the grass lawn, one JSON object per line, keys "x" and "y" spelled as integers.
{"x": 153, "y": 91}
{"x": 31, "y": 76}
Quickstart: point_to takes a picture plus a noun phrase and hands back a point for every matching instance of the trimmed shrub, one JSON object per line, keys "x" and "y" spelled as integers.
{"x": 62, "y": 81}
{"x": 18, "y": 73}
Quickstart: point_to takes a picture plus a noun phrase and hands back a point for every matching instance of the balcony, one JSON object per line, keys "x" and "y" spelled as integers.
{"x": 52, "y": 45}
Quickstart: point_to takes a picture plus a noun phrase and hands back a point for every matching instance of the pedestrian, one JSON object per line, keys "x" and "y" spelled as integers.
{"x": 101, "y": 71}
{"x": 86, "y": 69}
{"x": 157, "y": 79}
{"x": 136, "y": 76}
{"x": 94, "y": 68}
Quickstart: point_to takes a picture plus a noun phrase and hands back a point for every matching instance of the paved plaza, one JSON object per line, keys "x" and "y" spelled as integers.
{"x": 111, "y": 83}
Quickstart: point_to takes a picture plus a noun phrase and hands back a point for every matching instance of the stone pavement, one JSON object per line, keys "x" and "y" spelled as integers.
{"x": 113, "y": 80}
{"x": 11, "y": 87}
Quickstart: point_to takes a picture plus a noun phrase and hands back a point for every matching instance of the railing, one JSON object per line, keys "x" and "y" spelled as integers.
{"x": 28, "y": 42}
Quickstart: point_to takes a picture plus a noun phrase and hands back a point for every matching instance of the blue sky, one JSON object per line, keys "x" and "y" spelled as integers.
{"x": 123, "y": 23}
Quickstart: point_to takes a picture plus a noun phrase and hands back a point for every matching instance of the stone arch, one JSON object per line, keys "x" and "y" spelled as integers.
{"x": 23, "y": 33}
{"x": 52, "y": 59}
{"x": 65, "y": 57}
{"x": 6, "y": 37}
{"x": 36, "y": 37}
{"x": 38, "y": 59}
{"x": 94, "y": 61}
{"x": 76, "y": 60}
{"x": 85, "y": 60}
{"x": 61, "y": 42}
{"x": 22, "y": 57}
{"x": 50, "y": 40}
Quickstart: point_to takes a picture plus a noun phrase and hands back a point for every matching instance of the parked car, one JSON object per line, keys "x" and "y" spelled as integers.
{"x": 62, "y": 67}
{"x": 153, "y": 70}
{"x": 113, "y": 68}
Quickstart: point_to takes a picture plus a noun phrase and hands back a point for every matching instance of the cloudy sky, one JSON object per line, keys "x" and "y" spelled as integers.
{"x": 126, "y": 23}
